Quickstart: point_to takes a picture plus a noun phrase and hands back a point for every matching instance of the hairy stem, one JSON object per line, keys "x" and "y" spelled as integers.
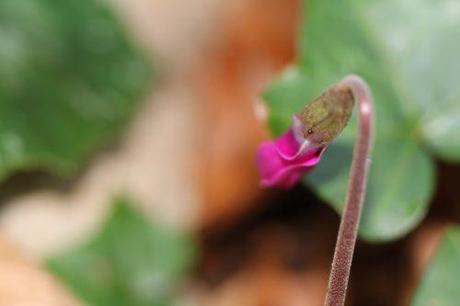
{"x": 348, "y": 231}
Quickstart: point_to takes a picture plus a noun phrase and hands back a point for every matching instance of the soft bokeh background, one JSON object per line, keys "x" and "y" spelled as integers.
{"x": 127, "y": 163}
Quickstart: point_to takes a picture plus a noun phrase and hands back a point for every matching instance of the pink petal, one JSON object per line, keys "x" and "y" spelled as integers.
{"x": 283, "y": 162}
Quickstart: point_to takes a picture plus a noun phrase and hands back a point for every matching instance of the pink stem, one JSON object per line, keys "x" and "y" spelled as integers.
{"x": 348, "y": 231}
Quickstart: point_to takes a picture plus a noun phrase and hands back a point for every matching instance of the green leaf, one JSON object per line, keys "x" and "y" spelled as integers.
{"x": 69, "y": 80}
{"x": 420, "y": 41}
{"x": 415, "y": 109}
{"x": 439, "y": 286}
{"x": 131, "y": 262}
{"x": 396, "y": 201}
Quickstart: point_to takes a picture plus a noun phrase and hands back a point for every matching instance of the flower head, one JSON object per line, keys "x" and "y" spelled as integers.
{"x": 283, "y": 162}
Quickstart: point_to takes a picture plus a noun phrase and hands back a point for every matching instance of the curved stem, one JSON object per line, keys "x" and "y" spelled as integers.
{"x": 348, "y": 231}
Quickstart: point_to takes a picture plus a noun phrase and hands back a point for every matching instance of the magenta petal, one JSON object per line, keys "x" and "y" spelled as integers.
{"x": 282, "y": 163}
{"x": 287, "y": 145}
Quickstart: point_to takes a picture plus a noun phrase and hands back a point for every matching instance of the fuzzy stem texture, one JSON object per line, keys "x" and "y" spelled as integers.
{"x": 348, "y": 231}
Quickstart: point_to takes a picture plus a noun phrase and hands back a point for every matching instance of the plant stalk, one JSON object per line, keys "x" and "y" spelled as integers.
{"x": 348, "y": 230}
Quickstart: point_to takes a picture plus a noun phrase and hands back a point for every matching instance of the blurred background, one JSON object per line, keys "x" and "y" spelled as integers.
{"x": 128, "y": 130}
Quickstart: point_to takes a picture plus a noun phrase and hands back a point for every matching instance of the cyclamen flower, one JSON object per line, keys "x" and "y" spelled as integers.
{"x": 283, "y": 162}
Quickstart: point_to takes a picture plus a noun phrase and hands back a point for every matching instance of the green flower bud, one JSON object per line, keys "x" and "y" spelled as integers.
{"x": 326, "y": 116}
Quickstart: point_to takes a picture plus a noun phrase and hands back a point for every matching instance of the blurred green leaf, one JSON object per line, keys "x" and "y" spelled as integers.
{"x": 421, "y": 43}
{"x": 439, "y": 286}
{"x": 407, "y": 53}
{"x": 69, "y": 80}
{"x": 131, "y": 262}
